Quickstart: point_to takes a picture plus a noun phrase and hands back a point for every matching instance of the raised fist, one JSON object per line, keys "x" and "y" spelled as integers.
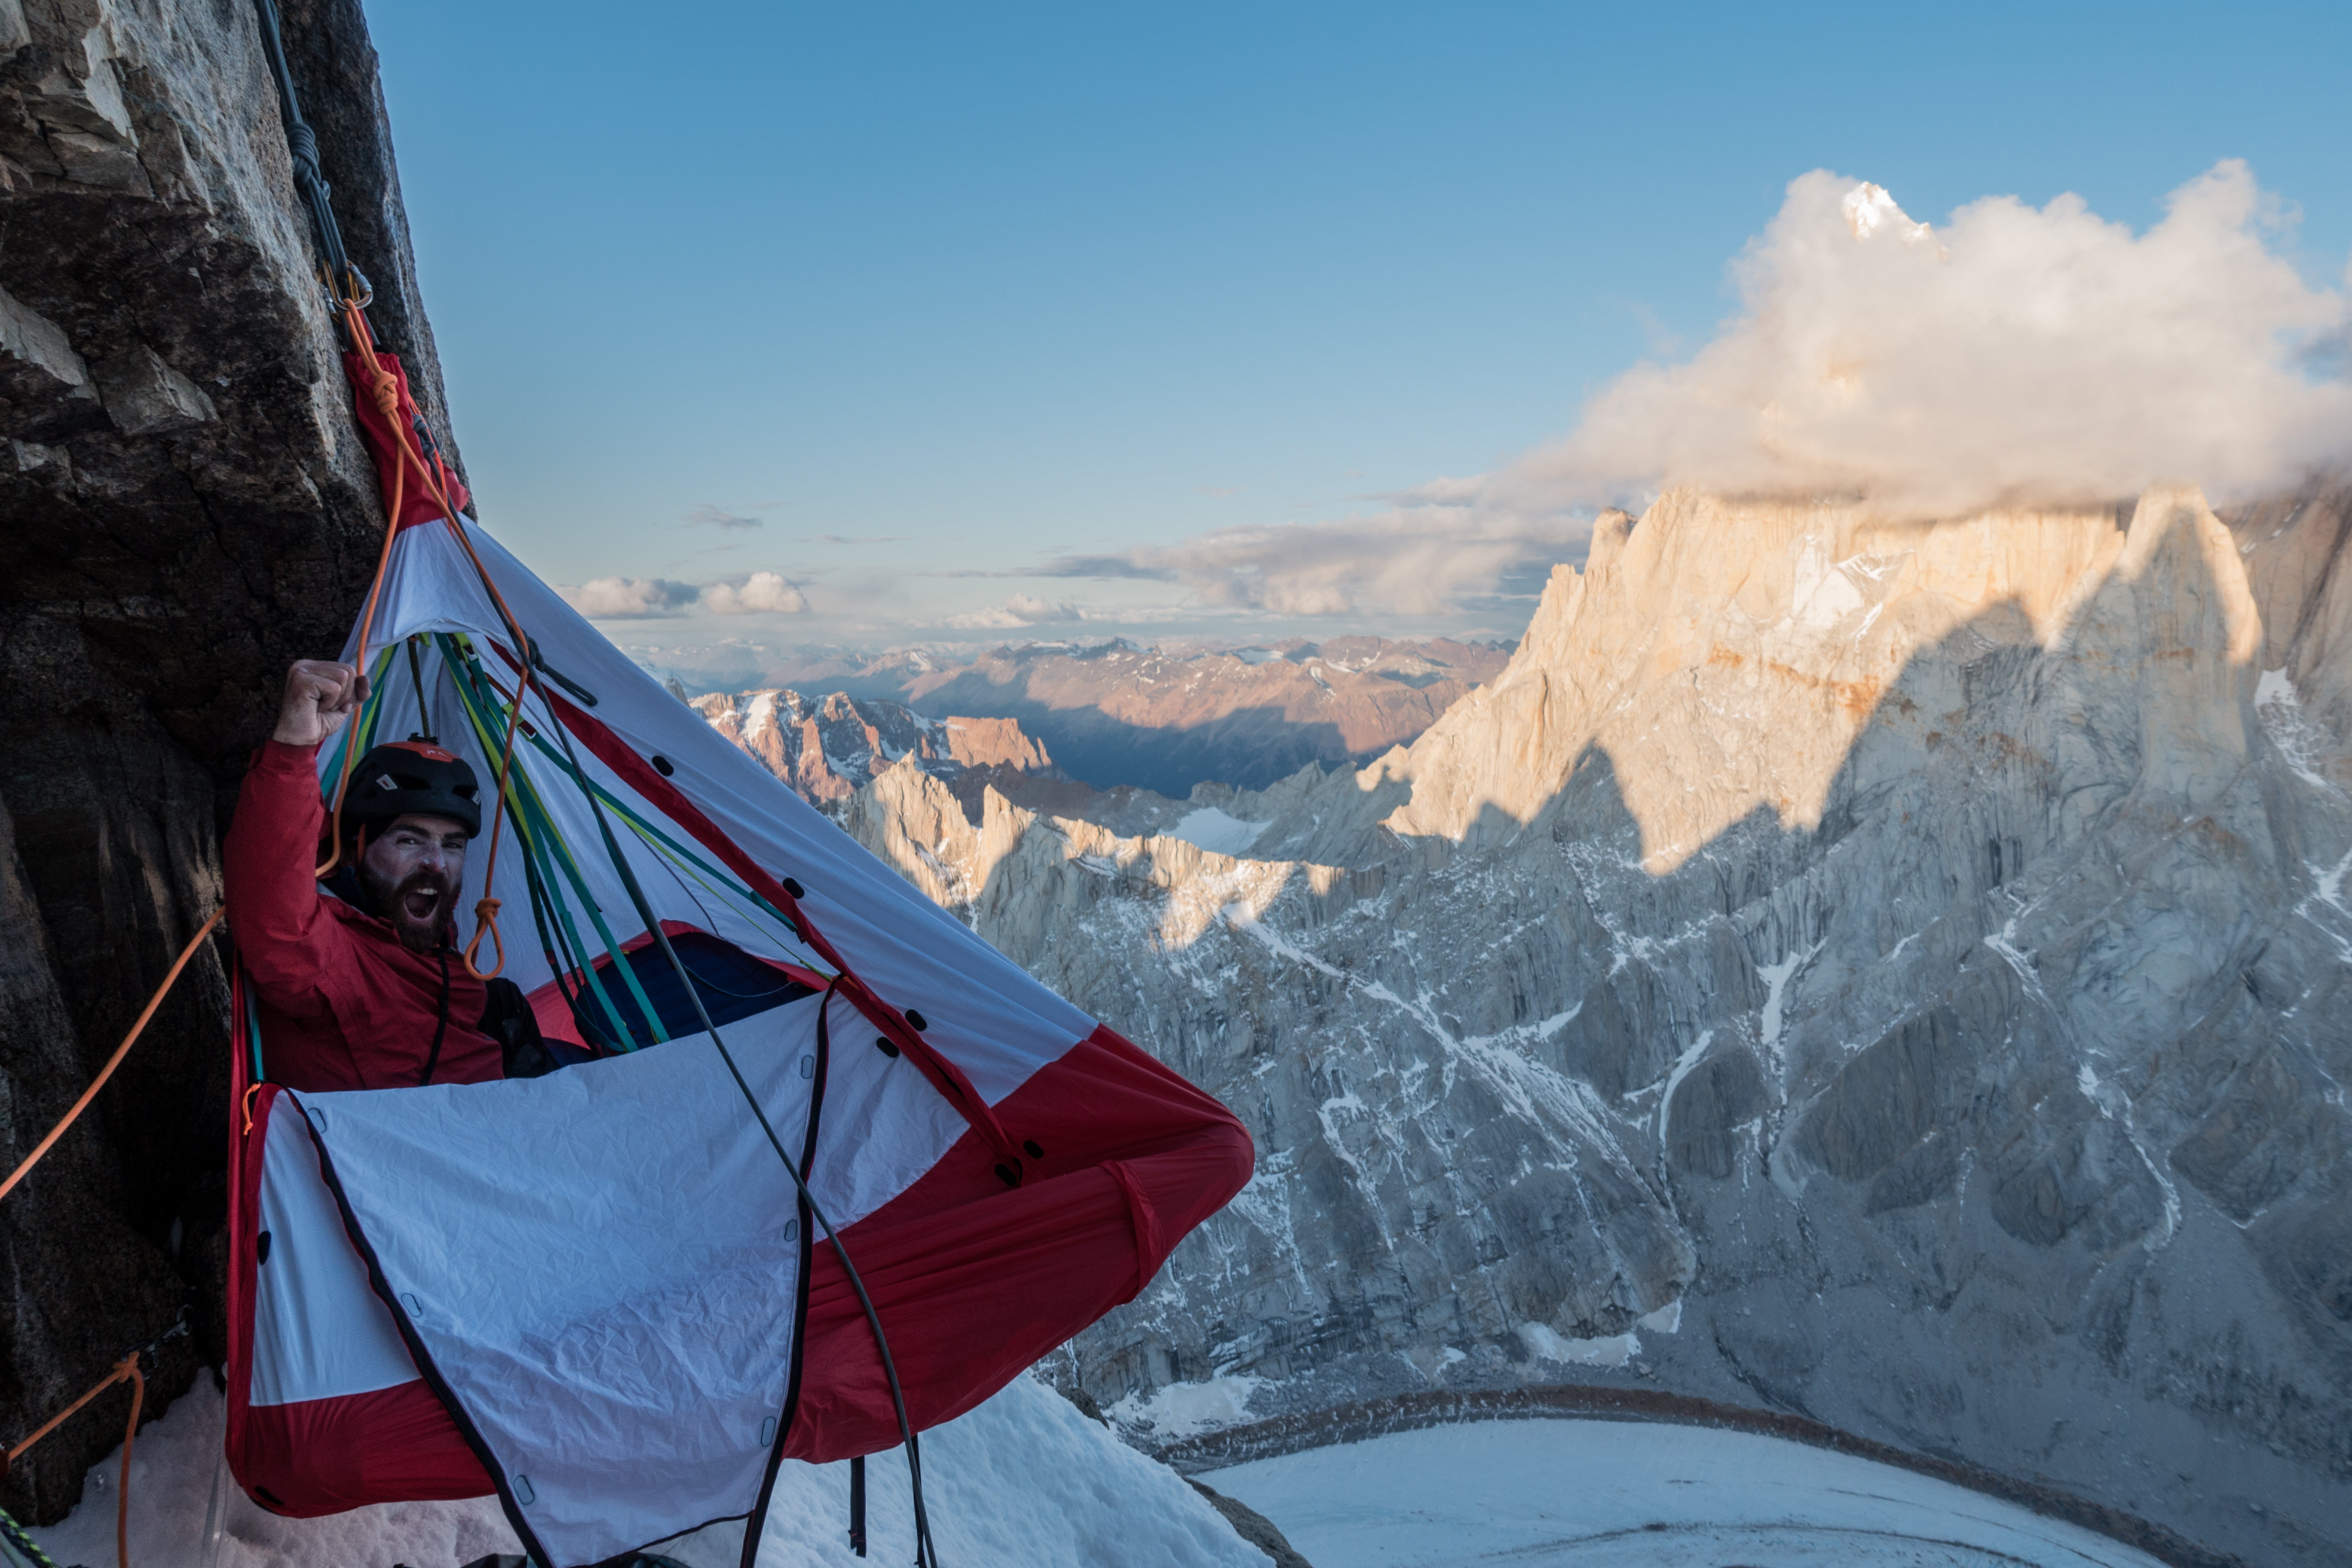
{"x": 321, "y": 696}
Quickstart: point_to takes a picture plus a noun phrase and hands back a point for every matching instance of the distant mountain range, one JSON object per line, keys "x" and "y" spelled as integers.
{"x": 1893, "y": 974}
{"x": 826, "y": 747}
{"x": 1116, "y": 714}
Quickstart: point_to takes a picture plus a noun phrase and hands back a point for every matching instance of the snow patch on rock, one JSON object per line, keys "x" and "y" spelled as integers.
{"x": 1212, "y": 829}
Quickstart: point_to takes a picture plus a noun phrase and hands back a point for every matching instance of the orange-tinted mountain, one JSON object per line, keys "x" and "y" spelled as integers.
{"x": 824, "y": 747}
{"x": 1114, "y": 713}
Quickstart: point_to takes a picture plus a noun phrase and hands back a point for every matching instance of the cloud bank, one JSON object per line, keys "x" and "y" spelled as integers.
{"x": 1425, "y": 554}
{"x": 763, "y": 592}
{"x": 626, "y": 598}
{"x": 2016, "y": 354}
{"x": 2009, "y": 354}
{"x": 642, "y": 598}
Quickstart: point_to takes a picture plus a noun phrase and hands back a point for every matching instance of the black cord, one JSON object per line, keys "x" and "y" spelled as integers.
{"x": 302, "y": 147}
{"x": 425, "y": 725}
{"x": 432, "y": 1058}
{"x": 789, "y": 985}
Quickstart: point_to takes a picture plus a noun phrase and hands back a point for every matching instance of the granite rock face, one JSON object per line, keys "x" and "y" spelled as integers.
{"x": 186, "y": 508}
{"x": 1895, "y": 973}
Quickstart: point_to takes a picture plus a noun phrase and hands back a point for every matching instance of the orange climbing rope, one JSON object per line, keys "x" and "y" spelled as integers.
{"x": 387, "y": 401}
{"x": 115, "y": 1060}
{"x": 385, "y": 394}
{"x": 125, "y": 1370}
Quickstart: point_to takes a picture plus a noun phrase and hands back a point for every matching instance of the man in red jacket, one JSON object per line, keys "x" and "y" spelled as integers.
{"x": 357, "y": 983}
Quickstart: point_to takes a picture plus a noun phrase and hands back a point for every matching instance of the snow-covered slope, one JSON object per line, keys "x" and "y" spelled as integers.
{"x": 1912, "y": 961}
{"x": 1606, "y": 1494}
{"x": 1024, "y": 1478}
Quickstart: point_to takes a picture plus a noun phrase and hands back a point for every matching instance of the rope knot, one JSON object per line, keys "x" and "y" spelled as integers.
{"x": 486, "y": 924}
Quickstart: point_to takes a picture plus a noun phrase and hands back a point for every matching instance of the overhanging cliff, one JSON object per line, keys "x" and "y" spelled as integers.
{"x": 185, "y": 508}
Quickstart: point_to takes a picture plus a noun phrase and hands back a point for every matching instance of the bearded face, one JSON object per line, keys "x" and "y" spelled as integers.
{"x": 411, "y": 874}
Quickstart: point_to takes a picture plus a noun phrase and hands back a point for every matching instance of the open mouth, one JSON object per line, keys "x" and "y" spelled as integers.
{"x": 419, "y": 904}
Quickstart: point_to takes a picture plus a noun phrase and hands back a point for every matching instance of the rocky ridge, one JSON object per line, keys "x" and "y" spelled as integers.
{"x": 1898, "y": 975}
{"x": 824, "y": 747}
{"x": 1118, "y": 714}
{"x": 1115, "y": 714}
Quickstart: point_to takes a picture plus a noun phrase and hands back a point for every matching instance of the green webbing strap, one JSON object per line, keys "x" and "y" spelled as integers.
{"x": 665, "y": 845}
{"x": 17, "y": 1548}
{"x": 370, "y": 712}
{"x": 670, "y": 847}
{"x": 534, "y": 831}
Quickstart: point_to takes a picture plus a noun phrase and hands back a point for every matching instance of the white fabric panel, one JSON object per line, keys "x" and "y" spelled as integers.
{"x": 602, "y": 1263}
{"x": 320, "y": 1329}
{"x": 997, "y": 1023}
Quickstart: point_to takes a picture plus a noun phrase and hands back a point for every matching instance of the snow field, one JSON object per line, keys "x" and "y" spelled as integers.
{"x": 1024, "y": 1478}
{"x": 1207, "y": 828}
{"x": 1617, "y": 1494}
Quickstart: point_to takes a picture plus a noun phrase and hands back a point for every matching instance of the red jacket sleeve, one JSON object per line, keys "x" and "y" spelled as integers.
{"x": 289, "y": 942}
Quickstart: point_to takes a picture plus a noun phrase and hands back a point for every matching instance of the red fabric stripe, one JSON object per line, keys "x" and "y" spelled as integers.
{"x": 323, "y": 1456}
{"x": 975, "y": 1283}
{"x": 243, "y": 1207}
{"x": 417, "y": 502}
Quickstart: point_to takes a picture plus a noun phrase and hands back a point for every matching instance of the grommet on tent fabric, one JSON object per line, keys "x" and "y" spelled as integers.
{"x": 918, "y": 1021}
{"x": 1029, "y": 1147}
{"x": 795, "y": 889}
{"x": 1005, "y": 1174}
{"x": 882, "y": 1043}
{"x": 665, "y": 767}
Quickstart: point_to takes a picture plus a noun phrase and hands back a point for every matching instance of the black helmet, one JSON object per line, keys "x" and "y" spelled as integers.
{"x": 404, "y": 778}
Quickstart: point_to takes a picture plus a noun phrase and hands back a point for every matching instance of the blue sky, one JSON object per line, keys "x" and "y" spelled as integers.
{"x": 937, "y": 293}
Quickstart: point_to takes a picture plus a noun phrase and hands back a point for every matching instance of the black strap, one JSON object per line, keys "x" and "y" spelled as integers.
{"x": 302, "y": 148}
{"x": 858, "y": 1505}
{"x": 441, "y": 1031}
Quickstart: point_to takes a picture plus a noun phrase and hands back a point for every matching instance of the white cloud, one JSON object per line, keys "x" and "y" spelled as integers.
{"x": 1020, "y": 610}
{"x": 1032, "y": 609}
{"x": 763, "y": 592}
{"x": 2015, "y": 354}
{"x": 628, "y": 598}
